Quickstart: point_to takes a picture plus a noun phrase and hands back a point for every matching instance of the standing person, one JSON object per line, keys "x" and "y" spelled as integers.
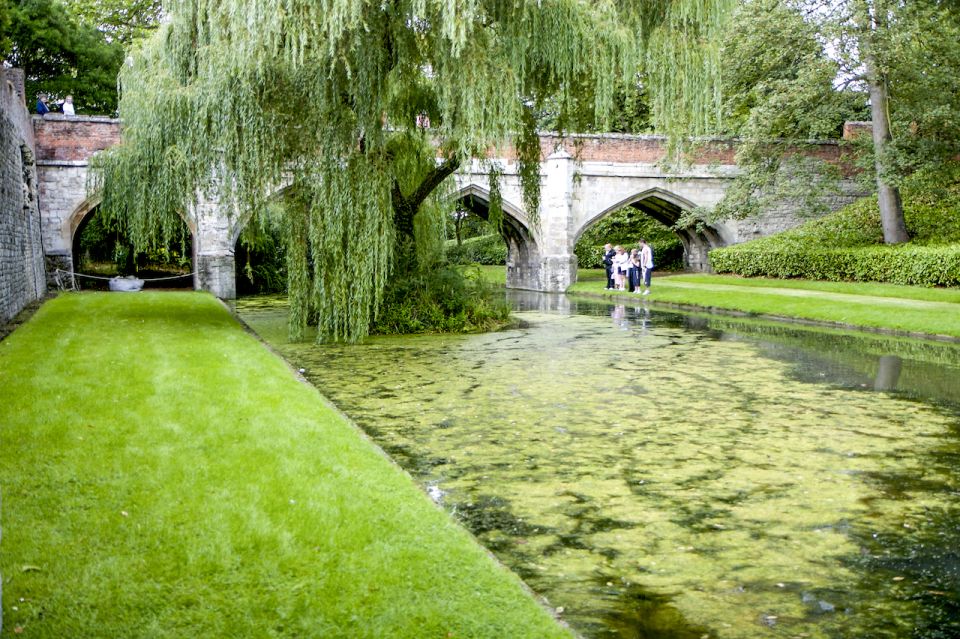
{"x": 68, "y": 106}
{"x": 620, "y": 264}
{"x": 646, "y": 262}
{"x": 42, "y": 107}
{"x": 608, "y": 254}
{"x": 634, "y": 272}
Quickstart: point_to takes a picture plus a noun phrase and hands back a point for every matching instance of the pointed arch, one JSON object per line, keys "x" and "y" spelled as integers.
{"x": 667, "y": 207}
{"x": 523, "y": 253}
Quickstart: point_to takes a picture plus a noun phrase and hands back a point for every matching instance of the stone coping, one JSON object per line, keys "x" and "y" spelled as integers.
{"x": 59, "y": 117}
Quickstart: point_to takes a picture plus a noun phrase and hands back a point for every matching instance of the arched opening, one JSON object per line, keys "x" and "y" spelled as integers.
{"x": 523, "y": 255}
{"x": 259, "y": 249}
{"x": 101, "y": 249}
{"x": 666, "y": 209}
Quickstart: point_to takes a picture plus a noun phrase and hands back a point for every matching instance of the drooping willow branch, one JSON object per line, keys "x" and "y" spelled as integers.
{"x": 232, "y": 96}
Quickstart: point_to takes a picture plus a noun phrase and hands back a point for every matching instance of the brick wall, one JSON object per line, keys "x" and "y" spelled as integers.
{"x": 21, "y": 253}
{"x": 65, "y": 138}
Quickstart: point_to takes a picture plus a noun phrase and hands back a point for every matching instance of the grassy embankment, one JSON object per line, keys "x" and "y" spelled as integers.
{"x": 908, "y": 309}
{"x": 165, "y": 475}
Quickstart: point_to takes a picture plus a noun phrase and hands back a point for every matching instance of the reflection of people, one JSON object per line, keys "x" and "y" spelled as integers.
{"x": 42, "y": 107}
{"x": 608, "y": 254}
{"x": 68, "y": 106}
{"x": 646, "y": 263}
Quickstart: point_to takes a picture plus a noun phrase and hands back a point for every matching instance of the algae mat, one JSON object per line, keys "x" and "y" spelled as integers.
{"x": 662, "y": 475}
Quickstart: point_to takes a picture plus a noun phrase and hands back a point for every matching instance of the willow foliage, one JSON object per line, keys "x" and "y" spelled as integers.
{"x": 234, "y": 99}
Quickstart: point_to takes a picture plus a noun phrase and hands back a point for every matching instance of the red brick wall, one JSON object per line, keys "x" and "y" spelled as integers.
{"x": 77, "y": 138}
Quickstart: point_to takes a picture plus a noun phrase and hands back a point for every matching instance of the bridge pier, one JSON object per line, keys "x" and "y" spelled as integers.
{"x": 214, "y": 263}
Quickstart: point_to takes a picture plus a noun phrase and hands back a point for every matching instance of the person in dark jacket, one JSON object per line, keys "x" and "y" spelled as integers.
{"x": 42, "y": 105}
{"x": 608, "y": 254}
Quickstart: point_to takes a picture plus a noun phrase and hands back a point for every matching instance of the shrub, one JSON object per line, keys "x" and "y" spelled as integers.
{"x": 441, "y": 300}
{"x": 486, "y": 249}
{"x": 848, "y": 244}
{"x": 903, "y": 264}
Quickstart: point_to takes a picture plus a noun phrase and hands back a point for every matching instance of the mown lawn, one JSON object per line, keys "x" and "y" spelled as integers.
{"x": 908, "y": 309}
{"x": 164, "y": 475}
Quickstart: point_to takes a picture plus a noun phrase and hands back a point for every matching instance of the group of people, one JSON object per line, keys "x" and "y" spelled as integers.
{"x": 65, "y": 107}
{"x": 628, "y": 271}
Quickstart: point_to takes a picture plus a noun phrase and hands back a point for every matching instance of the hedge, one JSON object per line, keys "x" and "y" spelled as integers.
{"x": 903, "y": 264}
{"x": 486, "y": 249}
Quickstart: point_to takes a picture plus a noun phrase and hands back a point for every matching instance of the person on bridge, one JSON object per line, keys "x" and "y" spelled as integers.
{"x": 42, "y": 107}
{"x": 646, "y": 263}
{"x": 607, "y": 260}
{"x": 68, "y": 106}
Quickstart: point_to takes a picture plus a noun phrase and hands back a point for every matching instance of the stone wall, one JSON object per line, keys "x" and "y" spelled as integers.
{"x": 21, "y": 252}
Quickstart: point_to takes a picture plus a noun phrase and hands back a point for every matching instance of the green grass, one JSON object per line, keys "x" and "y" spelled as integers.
{"x": 164, "y": 475}
{"x": 869, "y": 305}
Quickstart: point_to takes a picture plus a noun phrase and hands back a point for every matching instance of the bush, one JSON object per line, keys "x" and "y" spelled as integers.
{"x": 848, "y": 244}
{"x": 486, "y": 249}
{"x": 902, "y": 264}
{"x": 441, "y": 300}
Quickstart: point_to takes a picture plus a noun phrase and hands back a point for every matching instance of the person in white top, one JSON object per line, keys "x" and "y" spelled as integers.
{"x": 621, "y": 262}
{"x": 68, "y": 106}
{"x": 646, "y": 263}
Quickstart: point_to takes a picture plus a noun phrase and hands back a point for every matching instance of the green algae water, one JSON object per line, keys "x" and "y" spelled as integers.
{"x": 662, "y": 475}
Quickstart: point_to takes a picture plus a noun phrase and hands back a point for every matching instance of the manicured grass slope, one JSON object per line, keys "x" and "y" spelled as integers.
{"x": 870, "y": 305}
{"x": 164, "y": 475}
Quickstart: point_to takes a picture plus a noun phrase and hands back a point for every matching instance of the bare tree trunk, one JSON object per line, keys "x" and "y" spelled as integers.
{"x": 888, "y": 196}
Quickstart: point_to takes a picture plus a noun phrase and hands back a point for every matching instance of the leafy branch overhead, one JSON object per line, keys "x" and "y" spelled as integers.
{"x": 234, "y": 97}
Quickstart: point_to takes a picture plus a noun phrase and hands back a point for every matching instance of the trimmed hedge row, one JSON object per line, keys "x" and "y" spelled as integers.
{"x": 903, "y": 264}
{"x": 486, "y": 249}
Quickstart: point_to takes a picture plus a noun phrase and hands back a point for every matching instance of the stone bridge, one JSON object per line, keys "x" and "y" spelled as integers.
{"x": 583, "y": 179}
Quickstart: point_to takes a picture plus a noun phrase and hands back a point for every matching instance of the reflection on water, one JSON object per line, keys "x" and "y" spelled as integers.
{"x": 671, "y": 476}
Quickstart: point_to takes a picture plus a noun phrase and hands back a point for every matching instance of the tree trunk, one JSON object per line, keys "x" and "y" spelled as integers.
{"x": 888, "y": 196}
{"x": 457, "y": 226}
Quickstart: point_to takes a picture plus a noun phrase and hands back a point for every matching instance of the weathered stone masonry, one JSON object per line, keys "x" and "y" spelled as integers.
{"x": 21, "y": 251}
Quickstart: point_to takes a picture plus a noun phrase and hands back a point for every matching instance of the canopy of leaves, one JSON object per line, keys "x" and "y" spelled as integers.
{"x": 923, "y": 66}
{"x": 779, "y": 89}
{"x": 780, "y": 83}
{"x": 236, "y": 98}
{"x": 120, "y": 20}
{"x": 61, "y": 57}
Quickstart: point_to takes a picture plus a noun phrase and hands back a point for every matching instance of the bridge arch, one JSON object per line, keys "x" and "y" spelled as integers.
{"x": 81, "y": 216}
{"x": 523, "y": 253}
{"x": 666, "y": 207}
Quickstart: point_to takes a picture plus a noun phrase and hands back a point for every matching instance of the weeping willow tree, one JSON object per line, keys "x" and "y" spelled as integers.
{"x": 233, "y": 100}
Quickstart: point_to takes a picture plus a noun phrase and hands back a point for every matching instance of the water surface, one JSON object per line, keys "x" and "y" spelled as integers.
{"x": 662, "y": 475}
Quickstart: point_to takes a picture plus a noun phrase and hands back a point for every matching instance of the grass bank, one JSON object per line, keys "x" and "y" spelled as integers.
{"x": 164, "y": 475}
{"x": 889, "y": 307}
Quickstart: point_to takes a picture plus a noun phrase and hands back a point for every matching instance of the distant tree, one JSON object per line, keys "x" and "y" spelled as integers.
{"x": 779, "y": 91}
{"x": 790, "y": 67}
{"x": 61, "y": 57}
{"x": 5, "y": 10}
{"x": 120, "y": 20}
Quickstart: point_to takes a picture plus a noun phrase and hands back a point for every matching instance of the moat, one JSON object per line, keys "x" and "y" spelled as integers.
{"x": 665, "y": 475}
